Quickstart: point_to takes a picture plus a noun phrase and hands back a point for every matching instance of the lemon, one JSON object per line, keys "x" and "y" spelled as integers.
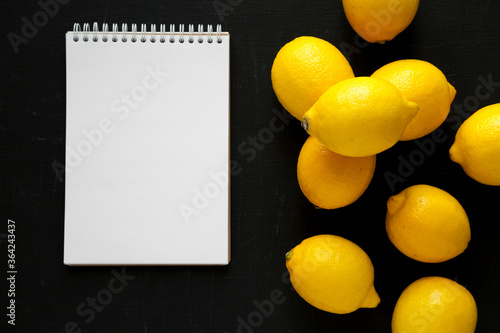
{"x": 422, "y": 83}
{"x": 333, "y": 274}
{"x": 477, "y": 145}
{"x": 329, "y": 180}
{"x": 435, "y": 304}
{"x": 304, "y": 69}
{"x": 427, "y": 224}
{"x": 380, "y": 20}
{"x": 359, "y": 117}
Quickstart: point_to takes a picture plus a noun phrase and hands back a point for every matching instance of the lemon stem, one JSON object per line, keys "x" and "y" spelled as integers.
{"x": 288, "y": 255}
{"x": 305, "y": 123}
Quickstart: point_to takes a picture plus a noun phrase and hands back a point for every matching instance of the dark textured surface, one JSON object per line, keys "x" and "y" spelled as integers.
{"x": 269, "y": 213}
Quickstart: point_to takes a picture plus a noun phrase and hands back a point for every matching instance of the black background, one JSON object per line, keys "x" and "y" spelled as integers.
{"x": 269, "y": 213}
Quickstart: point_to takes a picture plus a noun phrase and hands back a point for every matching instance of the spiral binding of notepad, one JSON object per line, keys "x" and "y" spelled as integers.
{"x": 134, "y": 35}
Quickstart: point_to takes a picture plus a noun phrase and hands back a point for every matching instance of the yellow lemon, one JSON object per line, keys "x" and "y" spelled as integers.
{"x": 427, "y": 224}
{"x": 329, "y": 180}
{"x": 358, "y": 117}
{"x": 304, "y": 69}
{"x": 477, "y": 145}
{"x": 424, "y": 84}
{"x": 435, "y": 305}
{"x": 333, "y": 274}
{"x": 380, "y": 20}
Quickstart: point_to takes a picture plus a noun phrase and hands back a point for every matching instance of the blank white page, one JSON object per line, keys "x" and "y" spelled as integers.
{"x": 147, "y": 151}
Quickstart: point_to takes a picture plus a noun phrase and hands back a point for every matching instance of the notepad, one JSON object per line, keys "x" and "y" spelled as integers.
{"x": 147, "y": 146}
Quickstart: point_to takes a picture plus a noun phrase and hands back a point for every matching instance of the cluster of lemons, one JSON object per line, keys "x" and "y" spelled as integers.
{"x": 352, "y": 119}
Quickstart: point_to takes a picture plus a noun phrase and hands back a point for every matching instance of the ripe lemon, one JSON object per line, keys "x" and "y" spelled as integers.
{"x": 304, "y": 69}
{"x": 427, "y": 224}
{"x": 477, "y": 145}
{"x": 329, "y": 180}
{"x": 332, "y": 274}
{"x": 358, "y": 117}
{"x": 424, "y": 84}
{"x": 379, "y": 20}
{"x": 435, "y": 304}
